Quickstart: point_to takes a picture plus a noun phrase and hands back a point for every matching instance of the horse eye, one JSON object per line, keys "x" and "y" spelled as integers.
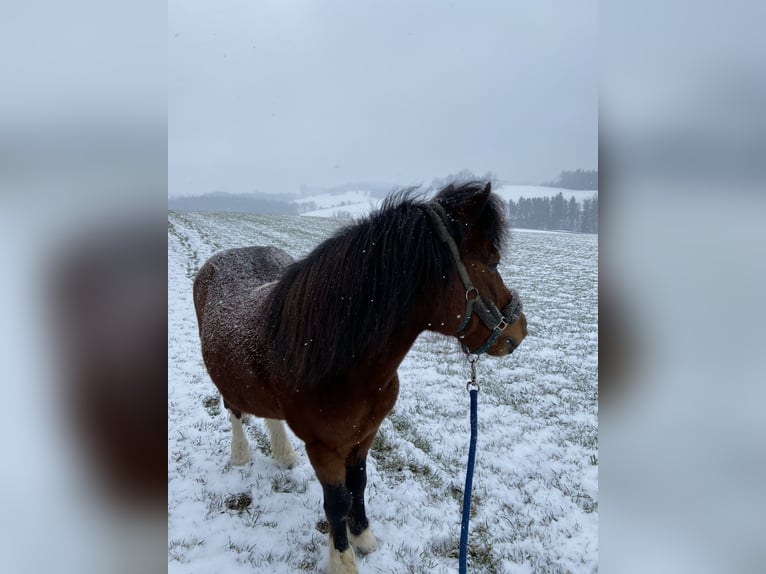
{"x": 493, "y": 266}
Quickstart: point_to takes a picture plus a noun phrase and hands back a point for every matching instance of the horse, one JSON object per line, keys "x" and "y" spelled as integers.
{"x": 316, "y": 343}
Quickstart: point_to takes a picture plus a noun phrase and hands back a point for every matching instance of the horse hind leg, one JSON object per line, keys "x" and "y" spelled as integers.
{"x": 240, "y": 449}
{"x": 280, "y": 445}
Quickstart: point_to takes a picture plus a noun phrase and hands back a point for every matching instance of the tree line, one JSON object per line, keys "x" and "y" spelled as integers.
{"x": 555, "y": 213}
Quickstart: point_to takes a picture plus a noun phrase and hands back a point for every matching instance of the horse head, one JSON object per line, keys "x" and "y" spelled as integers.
{"x": 484, "y": 313}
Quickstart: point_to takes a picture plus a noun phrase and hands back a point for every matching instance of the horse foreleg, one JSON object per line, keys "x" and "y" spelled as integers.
{"x": 330, "y": 469}
{"x": 337, "y": 503}
{"x": 240, "y": 450}
{"x": 362, "y": 537}
{"x": 280, "y": 444}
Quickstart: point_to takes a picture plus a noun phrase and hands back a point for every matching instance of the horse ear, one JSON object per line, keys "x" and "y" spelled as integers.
{"x": 475, "y": 205}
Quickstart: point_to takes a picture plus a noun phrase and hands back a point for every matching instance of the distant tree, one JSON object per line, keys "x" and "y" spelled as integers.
{"x": 524, "y": 213}
{"x": 541, "y": 213}
{"x": 590, "y": 215}
{"x": 512, "y": 213}
{"x": 573, "y": 215}
{"x": 558, "y": 212}
{"x": 595, "y": 213}
{"x": 554, "y": 213}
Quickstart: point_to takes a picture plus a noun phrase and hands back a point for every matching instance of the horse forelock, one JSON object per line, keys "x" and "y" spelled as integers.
{"x": 349, "y": 295}
{"x": 491, "y": 222}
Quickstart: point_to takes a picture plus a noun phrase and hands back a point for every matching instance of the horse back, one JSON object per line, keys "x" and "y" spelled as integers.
{"x": 228, "y": 274}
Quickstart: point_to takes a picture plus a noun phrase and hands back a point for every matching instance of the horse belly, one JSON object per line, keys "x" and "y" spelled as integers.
{"x": 240, "y": 381}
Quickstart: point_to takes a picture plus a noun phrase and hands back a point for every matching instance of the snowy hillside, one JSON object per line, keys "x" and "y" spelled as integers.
{"x": 355, "y": 204}
{"x": 535, "y": 506}
{"x": 343, "y": 204}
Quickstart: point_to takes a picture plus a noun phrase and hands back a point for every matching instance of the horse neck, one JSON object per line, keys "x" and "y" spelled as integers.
{"x": 386, "y": 360}
{"x": 429, "y": 315}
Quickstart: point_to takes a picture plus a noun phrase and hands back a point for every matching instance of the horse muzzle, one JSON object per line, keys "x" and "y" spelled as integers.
{"x": 510, "y": 338}
{"x": 507, "y": 327}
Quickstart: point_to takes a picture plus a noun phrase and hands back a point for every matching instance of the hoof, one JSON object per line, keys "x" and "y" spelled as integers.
{"x": 240, "y": 456}
{"x": 288, "y": 460}
{"x": 365, "y": 542}
{"x": 342, "y": 562}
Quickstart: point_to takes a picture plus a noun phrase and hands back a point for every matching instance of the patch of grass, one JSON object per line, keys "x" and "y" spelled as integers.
{"x": 586, "y": 502}
{"x": 286, "y": 483}
{"x": 181, "y": 460}
{"x": 449, "y": 460}
{"x": 238, "y": 502}
{"x": 178, "y": 546}
{"x": 415, "y": 561}
{"x": 481, "y": 553}
{"x": 521, "y": 524}
{"x": 323, "y": 526}
{"x": 404, "y": 426}
{"x": 312, "y": 550}
{"x": 261, "y": 439}
{"x": 215, "y": 502}
{"x": 422, "y": 443}
{"x": 394, "y": 464}
{"x": 387, "y": 458}
{"x": 239, "y": 549}
{"x": 212, "y": 404}
{"x": 401, "y": 423}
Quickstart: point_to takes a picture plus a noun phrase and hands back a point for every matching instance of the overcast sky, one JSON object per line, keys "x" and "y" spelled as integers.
{"x": 269, "y": 95}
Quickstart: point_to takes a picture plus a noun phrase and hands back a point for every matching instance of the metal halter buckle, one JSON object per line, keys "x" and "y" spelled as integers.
{"x": 473, "y": 383}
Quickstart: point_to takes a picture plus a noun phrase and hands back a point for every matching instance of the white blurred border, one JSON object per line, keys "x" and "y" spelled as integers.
{"x": 682, "y": 441}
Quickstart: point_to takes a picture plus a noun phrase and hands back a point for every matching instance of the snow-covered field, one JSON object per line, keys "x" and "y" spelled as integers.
{"x": 535, "y": 503}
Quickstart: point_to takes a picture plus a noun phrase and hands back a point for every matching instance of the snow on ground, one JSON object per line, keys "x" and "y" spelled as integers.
{"x": 535, "y": 502}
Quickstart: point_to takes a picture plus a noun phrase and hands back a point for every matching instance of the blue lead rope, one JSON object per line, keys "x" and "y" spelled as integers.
{"x": 468, "y": 479}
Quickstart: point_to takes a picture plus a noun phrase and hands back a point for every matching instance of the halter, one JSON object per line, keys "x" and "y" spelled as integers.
{"x": 495, "y": 320}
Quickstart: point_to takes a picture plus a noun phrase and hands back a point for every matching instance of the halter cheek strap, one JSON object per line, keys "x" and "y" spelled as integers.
{"x": 495, "y": 320}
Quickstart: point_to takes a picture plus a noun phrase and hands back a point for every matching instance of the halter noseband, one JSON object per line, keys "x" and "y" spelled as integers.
{"x": 495, "y": 320}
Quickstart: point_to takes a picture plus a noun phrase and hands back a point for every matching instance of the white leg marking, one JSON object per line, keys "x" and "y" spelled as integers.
{"x": 365, "y": 542}
{"x": 342, "y": 562}
{"x": 240, "y": 450}
{"x": 280, "y": 444}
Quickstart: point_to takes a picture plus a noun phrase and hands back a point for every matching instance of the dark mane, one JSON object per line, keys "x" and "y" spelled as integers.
{"x": 349, "y": 295}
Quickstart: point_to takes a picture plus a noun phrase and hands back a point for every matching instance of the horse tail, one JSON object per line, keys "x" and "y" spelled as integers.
{"x": 202, "y": 280}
